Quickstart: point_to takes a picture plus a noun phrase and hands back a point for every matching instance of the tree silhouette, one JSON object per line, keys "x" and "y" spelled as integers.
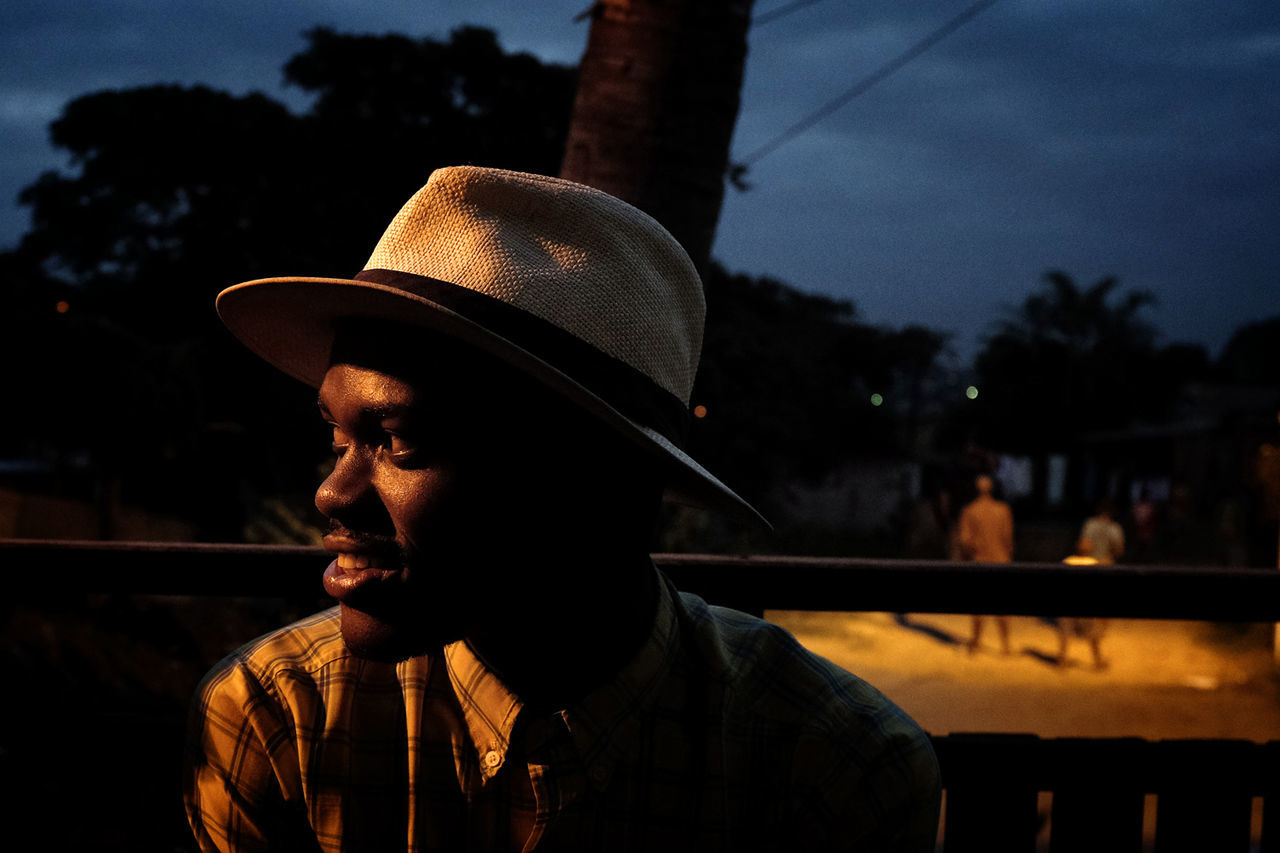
{"x": 1071, "y": 360}
{"x": 1252, "y": 355}
{"x": 1082, "y": 321}
{"x": 217, "y": 188}
{"x": 178, "y": 192}
{"x": 785, "y": 380}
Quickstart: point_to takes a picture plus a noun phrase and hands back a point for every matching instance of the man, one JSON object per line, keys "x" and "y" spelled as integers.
{"x": 507, "y": 382}
{"x": 1101, "y": 537}
{"x": 986, "y": 536}
{"x": 1101, "y": 543}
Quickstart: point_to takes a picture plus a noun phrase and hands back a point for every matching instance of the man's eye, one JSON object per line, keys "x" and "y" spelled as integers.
{"x": 398, "y": 445}
{"x": 340, "y": 442}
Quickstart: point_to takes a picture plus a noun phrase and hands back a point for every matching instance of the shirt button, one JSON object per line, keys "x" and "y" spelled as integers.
{"x": 492, "y": 759}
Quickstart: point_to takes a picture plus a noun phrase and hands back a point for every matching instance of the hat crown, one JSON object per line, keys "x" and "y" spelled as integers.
{"x": 571, "y": 255}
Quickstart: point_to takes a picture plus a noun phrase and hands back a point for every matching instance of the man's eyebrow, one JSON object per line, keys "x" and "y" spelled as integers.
{"x": 373, "y": 412}
{"x": 387, "y": 410}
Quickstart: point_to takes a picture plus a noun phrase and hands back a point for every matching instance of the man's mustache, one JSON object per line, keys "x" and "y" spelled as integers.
{"x": 371, "y": 541}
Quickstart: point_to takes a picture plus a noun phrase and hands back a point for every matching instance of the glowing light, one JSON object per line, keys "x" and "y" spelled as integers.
{"x": 699, "y": 411}
{"x": 877, "y": 399}
{"x": 971, "y": 392}
{"x": 63, "y": 306}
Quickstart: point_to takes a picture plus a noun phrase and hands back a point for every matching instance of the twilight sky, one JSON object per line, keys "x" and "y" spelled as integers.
{"x": 1128, "y": 137}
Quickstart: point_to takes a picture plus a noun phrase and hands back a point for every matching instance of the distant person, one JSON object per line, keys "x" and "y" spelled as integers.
{"x": 1101, "y": 537}
{"x": 986, "y": 536}
{"x": 1101, "y": 542}
{"x": 1185, "y": 535}
{"x": 930, "y": 531}
{"x": 1143, "y": 513}
{"x": 1232, "y": 549}
{"x": 929, "y": 527}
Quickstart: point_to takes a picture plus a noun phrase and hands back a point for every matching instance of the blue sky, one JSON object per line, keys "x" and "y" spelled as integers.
{"x": 1127, "y": 138}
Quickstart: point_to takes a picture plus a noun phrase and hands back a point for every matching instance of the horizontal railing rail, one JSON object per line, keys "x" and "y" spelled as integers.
{"x": 752, "y": 583}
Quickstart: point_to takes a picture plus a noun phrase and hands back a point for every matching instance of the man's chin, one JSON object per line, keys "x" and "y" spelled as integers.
{"x": 372, "y": 637}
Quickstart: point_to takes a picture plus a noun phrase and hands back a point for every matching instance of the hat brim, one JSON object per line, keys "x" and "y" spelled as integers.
{"x": 290, "y": 322}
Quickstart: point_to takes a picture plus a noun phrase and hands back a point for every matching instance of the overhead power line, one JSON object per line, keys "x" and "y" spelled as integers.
{"x": 785, "y": 9}
{"x": 738, "y": 169}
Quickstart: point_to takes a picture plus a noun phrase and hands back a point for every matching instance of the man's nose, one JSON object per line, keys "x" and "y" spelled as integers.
{"x": 348, "y": 486}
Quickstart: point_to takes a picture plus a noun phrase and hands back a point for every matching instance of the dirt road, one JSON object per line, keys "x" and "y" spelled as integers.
{"x": 1165, "y": 679}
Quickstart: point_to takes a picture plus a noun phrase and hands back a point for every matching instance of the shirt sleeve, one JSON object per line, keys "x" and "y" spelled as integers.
{"x": 240, "y": 769}
{"x": 875, "y": 790}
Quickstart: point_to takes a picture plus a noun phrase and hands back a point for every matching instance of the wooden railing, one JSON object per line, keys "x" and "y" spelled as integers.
{"x": 750, "y": 583}
{"x": 1204, "y": 794}
{"x": 1100, "y": 789}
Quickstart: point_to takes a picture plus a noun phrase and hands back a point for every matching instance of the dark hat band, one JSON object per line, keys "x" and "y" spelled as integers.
{"x": 628, "y": 390}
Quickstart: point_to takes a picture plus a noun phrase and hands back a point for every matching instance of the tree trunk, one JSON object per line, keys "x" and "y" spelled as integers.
{"x": 657, "y": 100}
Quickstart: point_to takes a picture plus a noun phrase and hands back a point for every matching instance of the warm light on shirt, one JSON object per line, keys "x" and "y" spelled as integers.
{"x": 722, "y": 733}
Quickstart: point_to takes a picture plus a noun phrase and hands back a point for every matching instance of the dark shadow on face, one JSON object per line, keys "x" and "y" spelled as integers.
{"x": 461, "y": 491}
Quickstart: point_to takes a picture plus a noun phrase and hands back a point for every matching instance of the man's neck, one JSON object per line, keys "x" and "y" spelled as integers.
{"x": 574, "y": 635}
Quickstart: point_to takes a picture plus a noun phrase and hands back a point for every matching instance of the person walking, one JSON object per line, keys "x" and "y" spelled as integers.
{"x": 986, "y": 536}
{"x": 1101, "y": 542}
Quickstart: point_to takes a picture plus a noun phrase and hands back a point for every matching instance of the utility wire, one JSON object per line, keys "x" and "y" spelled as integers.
{"x": 739, "y": 168}
{"x": 786, "y": 9}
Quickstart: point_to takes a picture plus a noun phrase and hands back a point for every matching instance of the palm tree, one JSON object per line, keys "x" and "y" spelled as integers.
{"x": 1081, "y": 319}
{"x": 1067, "y": 361}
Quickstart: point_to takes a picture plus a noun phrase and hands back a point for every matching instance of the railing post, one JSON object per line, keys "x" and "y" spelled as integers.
{"x": 1205, "y": 797}
{"x": 1098, "y": 794}
{"x": 992, "y": 795}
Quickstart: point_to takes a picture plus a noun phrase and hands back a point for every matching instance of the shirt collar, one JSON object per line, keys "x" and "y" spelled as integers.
{"x": 489, "y": 708}
{"x": 603, "y": 726}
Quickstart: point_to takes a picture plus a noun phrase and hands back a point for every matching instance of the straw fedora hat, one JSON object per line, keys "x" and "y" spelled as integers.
{"x": 579, "y": 290}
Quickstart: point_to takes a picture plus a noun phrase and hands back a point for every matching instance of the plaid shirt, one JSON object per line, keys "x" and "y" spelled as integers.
{"x": 721, "y": 734}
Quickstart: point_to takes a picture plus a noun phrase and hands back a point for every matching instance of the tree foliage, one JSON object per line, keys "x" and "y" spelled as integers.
{"x": 1074, "y": 359}
{"x": 786, "y": 380}
{"x": 215, "y": 188}
{"x": 174, "y": 193}
{"x": 1252, "y": 355}
{"x": 177, "y": 192}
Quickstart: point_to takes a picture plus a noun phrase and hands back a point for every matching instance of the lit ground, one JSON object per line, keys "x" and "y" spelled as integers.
{"x": 1165, "y": 679}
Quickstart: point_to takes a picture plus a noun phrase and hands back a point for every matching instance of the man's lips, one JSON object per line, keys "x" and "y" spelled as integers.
{"x": 357, "y": 567}
{"x": 344, "y": 578}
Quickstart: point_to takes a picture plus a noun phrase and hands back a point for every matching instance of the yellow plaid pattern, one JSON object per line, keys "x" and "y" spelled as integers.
{"x": 722, "y": 734}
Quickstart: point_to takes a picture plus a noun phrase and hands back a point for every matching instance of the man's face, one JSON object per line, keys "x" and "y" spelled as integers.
{"x": 426, "y": 501}
{"x": 456, "y": 480}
